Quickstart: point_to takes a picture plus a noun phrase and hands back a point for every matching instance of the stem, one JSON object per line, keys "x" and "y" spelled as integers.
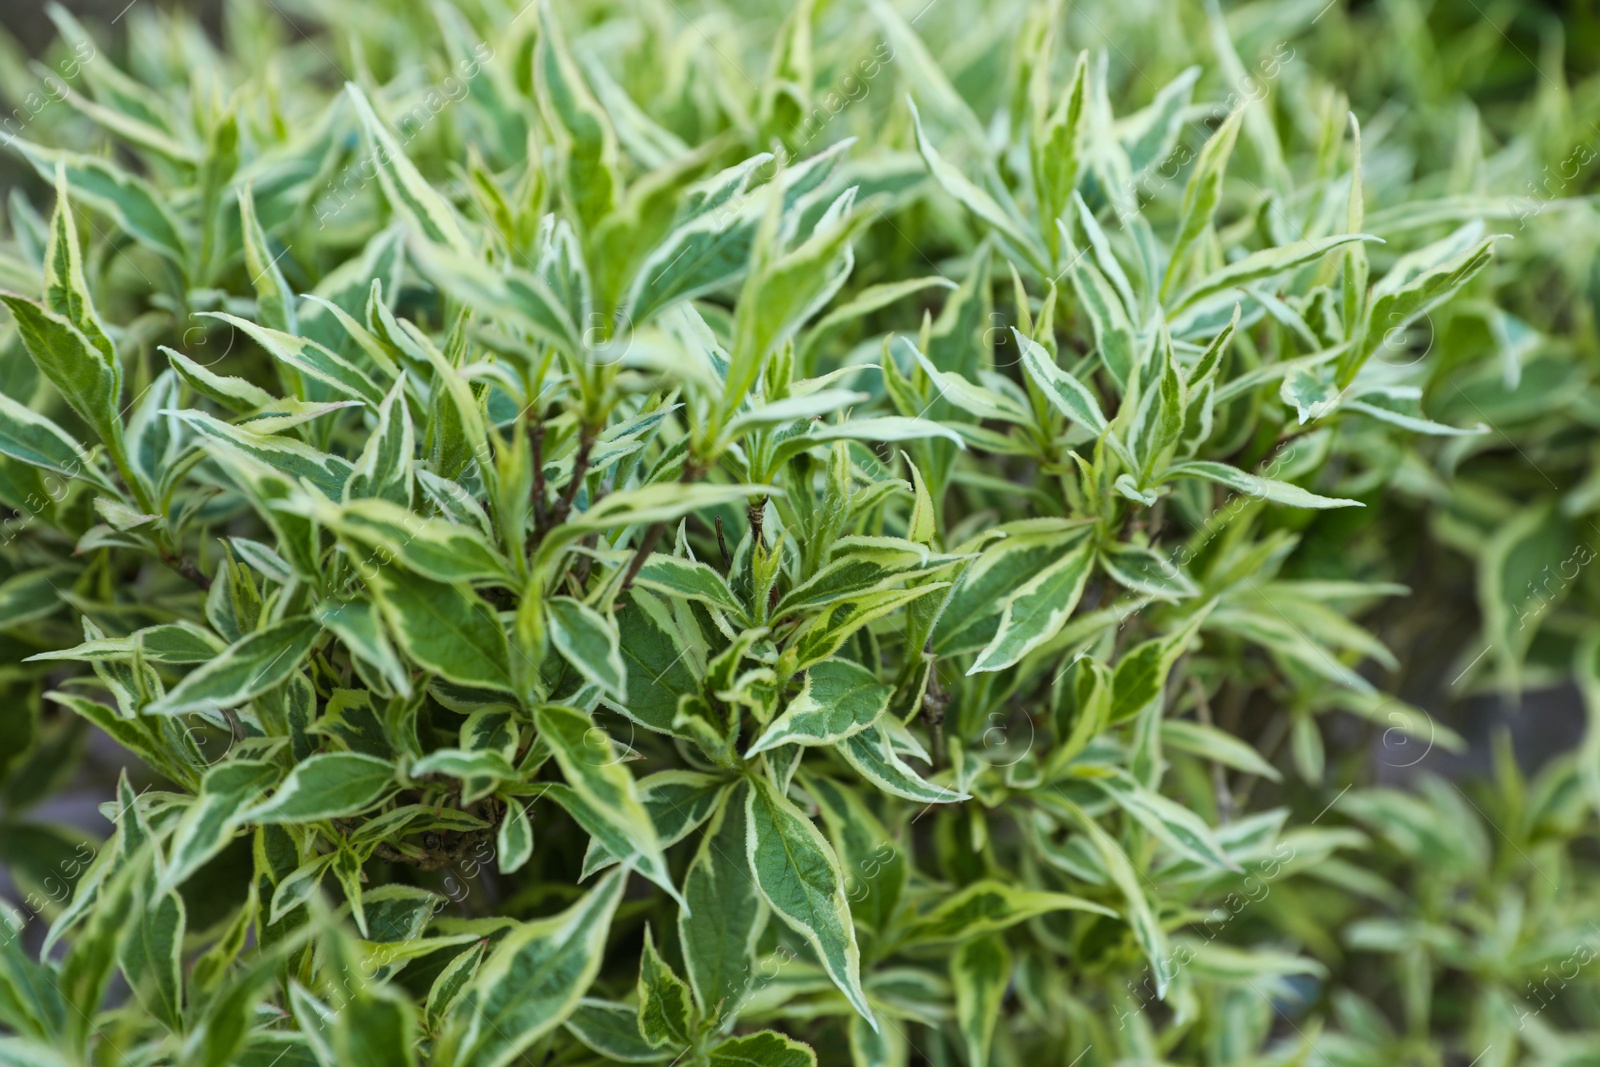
{"x": 757, "y": 514}
{"x": 186, "y": 567}
{"x": 934, "y": 703}
{"x": 691, "y": 473}
{"x": 117, "y": 448}
{"x": 580, "y": 573}
{"x": 646, "y": 546}
{"x": 536, "y": 440}
{"x": 580, "y": 468}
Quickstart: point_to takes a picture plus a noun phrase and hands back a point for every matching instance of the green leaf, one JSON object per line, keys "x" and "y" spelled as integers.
{"x": 130, "y": 202}
{"x": 649, "y": 504}
{"x": 1173, "y": 824}
{"x": 1521, "y": 576}
{"x": 1114, "y": 335}
{"x": 886, "y": 428}
{"x": 326, "y": 786}
{"x": 274, "y": 298}
{"x": 799, "y": 877}
{"x": 235, "y": 394}
{"x": 252, "y": 666}
{"x": 613, "y": 1031}
{"x": 299, "y": 886}
{"x": 665, "y": 1011}
{"x": 1399, "y": 298}
{"x": 403, "y": 186}
{"x": 1256, "y": 486}
{"x": 1141, "y": 673}
{"x": 377, "y": 1025}
{"x": 1055, "y": 142}
{"x": 678, "y": 802}
{"x": 379, "y": 532}
{"x": 689, "y": 579}
{"x": 764, "y": 1048}
{"x": 531, "y": 982}
{"x": 1158, "y": 423}
{"x": 589, "y": 641}
{"x": 985, "y": 907}
{"x": 719, "y": 935}
{"x": 711, "y": 245}
{"x": 1145, "y": 571}
{"x": 1038, "y": 610}
{"x": 356, "y": 624}
{"x": 868, "y": 300}
{"x": 1201, "y": 196}
{"x": 514, "y": 839}
{"x": 971, "y": 619}
{"x": 28, "y": 436}
{"x": 660, "y": 661}
{"x": 310, "y": 359}
{"x": 1066, "y": 394}
{"x": 927, "y": 73}
{"x": 446, "y": 988}
{"x": 383, "y": 470}
{"x": 1208, "y": 742}
{"x": 923, "y": 526}
{"x": 445, "y": 628}
{"x": 975, "y": 400}
{"x": 871, "y": 752}
{"x": 1141, "y": 918}
{"x": 180, "y": 642}
{"x": 877, "y": 867}
{"x": 976, "y": 200}
{"x": 296, "y": 460}
{"x": 211, "y": 821}
{"x": 1406, "y": 413}
{"x": 150, "y": 952}
{"x": 589, "y": 158}
{"x": 1263, "y": 264}
{"x": 520, "y": 299}
{"x": 838, "y": 698}
{"x": 980, "y": 971}
{"x": 66, "y": 290}
{"x": 88, "y": 377}
{"x": 463, "y": 765}
{"x": 595, "y": 773}
{"x": 829, "y": 630}
{"x": 1310, "y": 393}
{"x": 782, "y": 293}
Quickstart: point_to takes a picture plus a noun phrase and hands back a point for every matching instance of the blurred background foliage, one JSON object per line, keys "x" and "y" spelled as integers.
{"x": 1473, "y": 896}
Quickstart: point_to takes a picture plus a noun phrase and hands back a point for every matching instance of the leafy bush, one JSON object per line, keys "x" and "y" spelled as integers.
{"x": 605, "y": 555}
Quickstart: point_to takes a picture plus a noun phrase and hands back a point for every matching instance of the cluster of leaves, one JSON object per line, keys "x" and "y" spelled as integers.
{"x": 602, "y": 558}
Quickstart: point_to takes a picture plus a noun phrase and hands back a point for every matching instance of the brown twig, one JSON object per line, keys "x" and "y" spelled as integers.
{"x": 580, "y": 468}
{"x": 757, "y": 514}
{"x": 722, "y": 544}
{"x": 646, "y": 546}
{"x": 691, "y": 473}
{"x": 188, "y": 568}
{"x": 536, "y": 441}
{"x": 580, "y": 573}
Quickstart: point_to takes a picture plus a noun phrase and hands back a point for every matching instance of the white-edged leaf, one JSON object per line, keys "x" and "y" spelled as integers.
{"x": 1256, "y": 486}
{"x": 326, "y": 786}
{"x": 838, "y": 698}
{"x": 799, "y": 876}
{"x": 251, "y": 666}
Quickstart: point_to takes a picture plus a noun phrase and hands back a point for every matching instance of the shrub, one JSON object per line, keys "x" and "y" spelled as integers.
{"x": 601, "y": 556}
